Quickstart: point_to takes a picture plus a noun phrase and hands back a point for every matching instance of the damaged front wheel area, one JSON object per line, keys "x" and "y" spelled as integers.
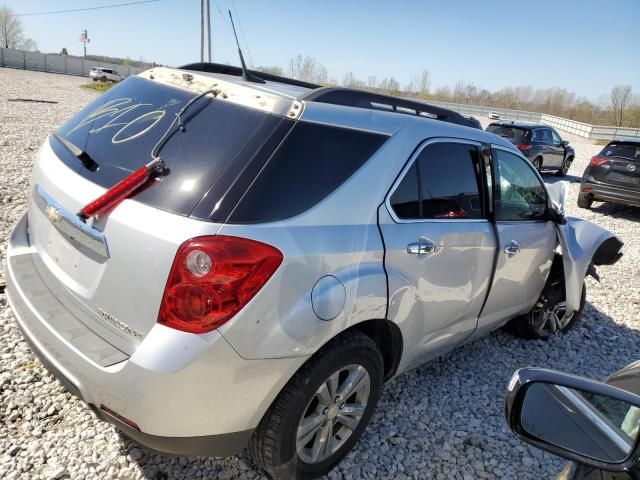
{"x": 548, "y": 316}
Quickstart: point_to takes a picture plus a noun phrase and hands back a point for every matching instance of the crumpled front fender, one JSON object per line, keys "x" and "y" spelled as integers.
{"x": 584, "y": 243}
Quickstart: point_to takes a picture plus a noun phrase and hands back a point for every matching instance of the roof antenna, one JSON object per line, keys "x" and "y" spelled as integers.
{"x": 246, "y": 75}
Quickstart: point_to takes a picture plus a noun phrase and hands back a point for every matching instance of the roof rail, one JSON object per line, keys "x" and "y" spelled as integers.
{"x": 237, "y": 72}
{"x": 376, "y": 101}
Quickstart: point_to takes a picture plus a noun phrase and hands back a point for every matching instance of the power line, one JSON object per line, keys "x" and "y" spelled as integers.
{"x": 85, "y": 9}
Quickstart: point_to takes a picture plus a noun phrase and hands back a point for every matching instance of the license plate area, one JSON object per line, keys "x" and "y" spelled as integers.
{"x": 79, "y": 234}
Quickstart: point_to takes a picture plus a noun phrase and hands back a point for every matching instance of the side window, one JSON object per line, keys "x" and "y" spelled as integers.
{"x": 450, "y": 181}
{"x": 536, "y": 135}
{"x": 405, "y": 199}
{"x": 312, "y": 162}
{"x": 546, "y": 135}
{"x": 556, "y": 138}
{"x": 520, "y": 194}
{"x": 444, "y": 182}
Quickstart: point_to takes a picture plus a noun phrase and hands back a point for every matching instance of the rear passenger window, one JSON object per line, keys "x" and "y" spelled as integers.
{"x": 405, "y": 199}
{"x": 311, "y": 163}
{"x": 445, "y": 181}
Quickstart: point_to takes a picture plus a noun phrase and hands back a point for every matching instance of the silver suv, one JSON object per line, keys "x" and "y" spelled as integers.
{"x": 212, "y": 263}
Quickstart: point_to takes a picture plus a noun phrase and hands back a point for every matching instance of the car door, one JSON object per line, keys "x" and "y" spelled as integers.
{"x": 558, "y": 148}
{"x": 439, "y": 247}
{"x": 527, "y": 239}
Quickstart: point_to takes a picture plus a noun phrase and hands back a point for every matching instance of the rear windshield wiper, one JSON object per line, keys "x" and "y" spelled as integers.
{"x": 86, "y": 160}
{"x": 147, "y": 173}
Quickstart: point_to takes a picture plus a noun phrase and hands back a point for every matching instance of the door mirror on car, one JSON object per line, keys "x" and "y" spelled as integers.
{"x": 555, "y": 216}
{"x": 565, "y": 143}
{"x": 576, "y": 418}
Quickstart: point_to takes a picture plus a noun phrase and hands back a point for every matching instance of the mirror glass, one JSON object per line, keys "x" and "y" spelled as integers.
{"x": 595, "y": 426}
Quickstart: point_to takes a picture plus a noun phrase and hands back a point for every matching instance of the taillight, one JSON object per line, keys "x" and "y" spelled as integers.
{"x": 595, "y": 161}
{"x": 212, "y": 279}
{"x": 523, "y": 146}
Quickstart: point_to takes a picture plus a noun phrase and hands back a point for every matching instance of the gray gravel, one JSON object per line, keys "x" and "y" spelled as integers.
{"x": 441, "y": 421}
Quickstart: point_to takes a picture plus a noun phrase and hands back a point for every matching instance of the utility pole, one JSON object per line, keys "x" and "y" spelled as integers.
{"x": 84, "y": 38}
{"x": 202, "y": 30}
{"x": 209, "y": 28}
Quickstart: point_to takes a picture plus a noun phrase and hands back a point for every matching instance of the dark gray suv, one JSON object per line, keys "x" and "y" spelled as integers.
{"x": 541, "y": 144}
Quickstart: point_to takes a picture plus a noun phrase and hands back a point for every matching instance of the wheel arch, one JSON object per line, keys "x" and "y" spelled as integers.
{"x": 388, "y": 337}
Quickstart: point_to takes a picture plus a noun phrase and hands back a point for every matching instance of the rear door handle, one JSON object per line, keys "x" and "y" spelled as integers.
{"x": 512, "y": 249}
{"x": 421, "y": 247}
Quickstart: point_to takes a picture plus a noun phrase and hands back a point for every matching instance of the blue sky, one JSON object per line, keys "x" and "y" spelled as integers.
{"x": 585, "y": 46}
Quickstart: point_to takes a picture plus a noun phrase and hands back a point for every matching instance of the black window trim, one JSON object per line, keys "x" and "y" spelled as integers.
{"x": 412, "y": 159}
{"x": 496, "y": 180}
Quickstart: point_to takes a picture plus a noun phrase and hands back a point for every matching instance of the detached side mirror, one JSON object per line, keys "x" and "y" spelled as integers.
{"x": 576, "y": 418}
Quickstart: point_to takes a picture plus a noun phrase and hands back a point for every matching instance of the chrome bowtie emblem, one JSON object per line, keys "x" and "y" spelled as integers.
{"x": 631, "y": 167}
{"x": 52, "y": 214}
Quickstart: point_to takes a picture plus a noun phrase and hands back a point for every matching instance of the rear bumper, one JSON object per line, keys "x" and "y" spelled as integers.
{"x": 187, "y": 394}
{"x": 608, "y": 193}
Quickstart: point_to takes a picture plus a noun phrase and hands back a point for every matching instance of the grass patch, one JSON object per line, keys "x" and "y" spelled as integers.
{"x": 602, "y": 142}
{"x": 98, "y": 86}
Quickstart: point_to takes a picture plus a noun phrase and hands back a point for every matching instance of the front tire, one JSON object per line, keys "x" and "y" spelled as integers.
{"x": 548, "y": 316}
{"x": 537, "y": 163}
{"x": 564, "y": 168}
{"x": 321, "y": 413}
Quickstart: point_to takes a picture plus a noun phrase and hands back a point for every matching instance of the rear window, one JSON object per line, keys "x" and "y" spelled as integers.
{"x": 120, "y": 128}
{"x": 312, "y": 162}
{"x": 628, "y": 151}
{"x": 513, "y": 134}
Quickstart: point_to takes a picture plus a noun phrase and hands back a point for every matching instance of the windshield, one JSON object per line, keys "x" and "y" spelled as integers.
{"x": 513, "y": 134}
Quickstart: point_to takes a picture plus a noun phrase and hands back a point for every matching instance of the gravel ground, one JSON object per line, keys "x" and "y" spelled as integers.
{"x": 442, "y": 421}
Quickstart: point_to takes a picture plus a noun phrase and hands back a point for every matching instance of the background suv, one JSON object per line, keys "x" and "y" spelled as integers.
{"x": 212, "y": 263}
{"x": 613, "y": 175}
{"x": 541, "y": 144}
{"x": 104, "y": 74}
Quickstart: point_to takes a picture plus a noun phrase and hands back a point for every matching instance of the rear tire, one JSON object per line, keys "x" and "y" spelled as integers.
{"x": 103, "y": 79}
{"x": 546, "y": 318}
{"x": 584, "y": 201}
{"x": 537, "y": 163}
{"x": 307, "y": 429}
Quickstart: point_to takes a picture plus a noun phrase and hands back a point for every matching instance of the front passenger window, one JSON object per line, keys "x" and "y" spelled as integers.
{"x": 521, "y": 195}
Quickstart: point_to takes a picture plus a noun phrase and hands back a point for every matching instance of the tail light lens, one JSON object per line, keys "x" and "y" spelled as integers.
{"x": 523, "y": 147}
{"x": 595, "y": 161}
{"x": 212, "y": 279}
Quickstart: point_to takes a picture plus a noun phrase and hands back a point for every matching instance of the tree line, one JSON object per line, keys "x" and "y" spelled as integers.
{"x": 620, "y": 108}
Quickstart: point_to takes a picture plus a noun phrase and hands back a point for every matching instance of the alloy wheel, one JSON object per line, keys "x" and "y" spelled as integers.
{"x": 333, "y": 414}
{"x": 537, "y": 163}
{"x": 550, "y": 317}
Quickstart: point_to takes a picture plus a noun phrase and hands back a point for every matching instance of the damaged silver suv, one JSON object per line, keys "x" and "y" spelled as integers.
{"x": 212, "y": 263}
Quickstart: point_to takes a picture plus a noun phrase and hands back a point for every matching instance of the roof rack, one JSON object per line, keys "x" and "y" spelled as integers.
{"x": 237, "y": 72}
{"x": 376, "y": 101}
